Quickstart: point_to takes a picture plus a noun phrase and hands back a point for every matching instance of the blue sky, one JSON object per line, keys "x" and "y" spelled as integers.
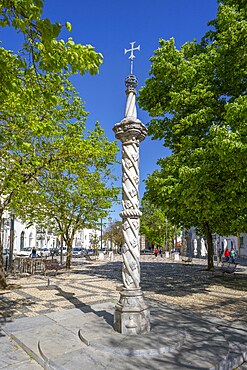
{"x": 110, "y": 26}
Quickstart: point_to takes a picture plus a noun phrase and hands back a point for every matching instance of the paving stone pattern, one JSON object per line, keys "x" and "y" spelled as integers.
{"x": 186, "y": 287}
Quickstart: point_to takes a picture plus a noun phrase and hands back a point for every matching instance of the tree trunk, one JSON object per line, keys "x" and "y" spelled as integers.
{"x": 3, "y": 283}
{"x": 210, "y": 246}
{"x": 69, "y": 254}
{"x": 61, "y": 249}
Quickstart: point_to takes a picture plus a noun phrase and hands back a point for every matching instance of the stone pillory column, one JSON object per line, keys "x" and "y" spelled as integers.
{"x": 131, "y": 312}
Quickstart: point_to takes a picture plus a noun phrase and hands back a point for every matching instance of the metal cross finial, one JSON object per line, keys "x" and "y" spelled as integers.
{"x": 131, "y": 57}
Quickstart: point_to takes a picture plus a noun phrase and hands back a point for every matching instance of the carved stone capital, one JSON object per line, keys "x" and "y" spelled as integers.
{"x": 130, "y": 130}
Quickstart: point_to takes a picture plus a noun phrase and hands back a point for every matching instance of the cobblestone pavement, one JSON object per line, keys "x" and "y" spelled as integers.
{"x": 188, "y": 286}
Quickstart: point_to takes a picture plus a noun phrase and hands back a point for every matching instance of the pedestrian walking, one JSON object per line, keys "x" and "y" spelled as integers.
{"x": 227, "y": 254}
{"x": 160, "y": 252}
{"x": 156, "y": 251}
{"x": 232, "y": 255}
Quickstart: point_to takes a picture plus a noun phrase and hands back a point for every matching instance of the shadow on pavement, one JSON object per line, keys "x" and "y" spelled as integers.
{"x": 85, "y": 308}
{"x": 170, "y": 278}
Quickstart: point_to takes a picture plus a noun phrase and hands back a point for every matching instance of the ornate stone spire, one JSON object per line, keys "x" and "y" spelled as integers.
{"x": 131, "y": 84}
{"x": 130, "y": 125}
{"x": 131, "y": 314}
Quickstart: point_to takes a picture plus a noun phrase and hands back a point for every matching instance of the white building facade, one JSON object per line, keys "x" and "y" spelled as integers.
{"x": 197, "y": 245}
{"x": 25, "y": 236}
{"x": 243, "y": 245}
{"x": 87, "y": 238}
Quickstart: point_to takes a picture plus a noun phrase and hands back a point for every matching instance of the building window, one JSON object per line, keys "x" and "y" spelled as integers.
{"x": 31, "y": 240}
{"x": 241, "y": 241}
{"x": 22, "y": 240}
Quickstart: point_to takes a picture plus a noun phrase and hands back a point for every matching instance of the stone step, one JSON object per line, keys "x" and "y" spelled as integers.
{"x": 72, "y": 339}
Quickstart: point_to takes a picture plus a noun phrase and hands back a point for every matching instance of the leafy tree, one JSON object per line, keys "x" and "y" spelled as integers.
{"x": 114, "y": 233}
{"x": 40, "y": 109}
{"x": 154, "y": 224}
{"x": 197, "y": 98}
{"x": 73, "y": 194}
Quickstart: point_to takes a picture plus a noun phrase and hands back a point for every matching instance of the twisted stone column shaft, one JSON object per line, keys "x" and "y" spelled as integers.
{"x": 130, "y": 214}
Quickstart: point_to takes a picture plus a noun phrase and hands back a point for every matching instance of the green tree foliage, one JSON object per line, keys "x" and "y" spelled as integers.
{"x": 73, "y": 193}
{"x": 41, "y": 116}
{"x": 114, "y": 233}
{"x": 196, "y": 97}
{"x": 154, "y": 224}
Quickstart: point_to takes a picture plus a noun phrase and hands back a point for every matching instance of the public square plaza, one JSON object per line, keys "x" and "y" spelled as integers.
{"x": 183, "y": 289}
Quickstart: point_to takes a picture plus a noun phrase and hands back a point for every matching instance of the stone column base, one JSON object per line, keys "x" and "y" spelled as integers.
{"x": 132, "y": 315}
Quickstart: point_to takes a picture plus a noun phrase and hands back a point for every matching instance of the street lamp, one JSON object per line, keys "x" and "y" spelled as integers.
{"x": 166, "y": 232}
{"x": 110, "y": 221}
{"x": 4, "y": 230}
{"x": 174, "y": 238}
{"x": 11, "y": 239}
{"x": 101, "y": 233}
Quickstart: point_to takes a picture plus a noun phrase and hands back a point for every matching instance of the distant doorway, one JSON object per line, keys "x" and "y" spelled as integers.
{"x": 22, "y": 240}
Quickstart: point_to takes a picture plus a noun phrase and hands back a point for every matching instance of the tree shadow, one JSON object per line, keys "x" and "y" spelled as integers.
{"x": 9, "y": 307}
{"x": 177, "y": 280}
{"x": 85, "y": 308}
{"x": 169, "y": 277}
{"x": 204, "y": 340}
{"x": 158, "y": 277}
